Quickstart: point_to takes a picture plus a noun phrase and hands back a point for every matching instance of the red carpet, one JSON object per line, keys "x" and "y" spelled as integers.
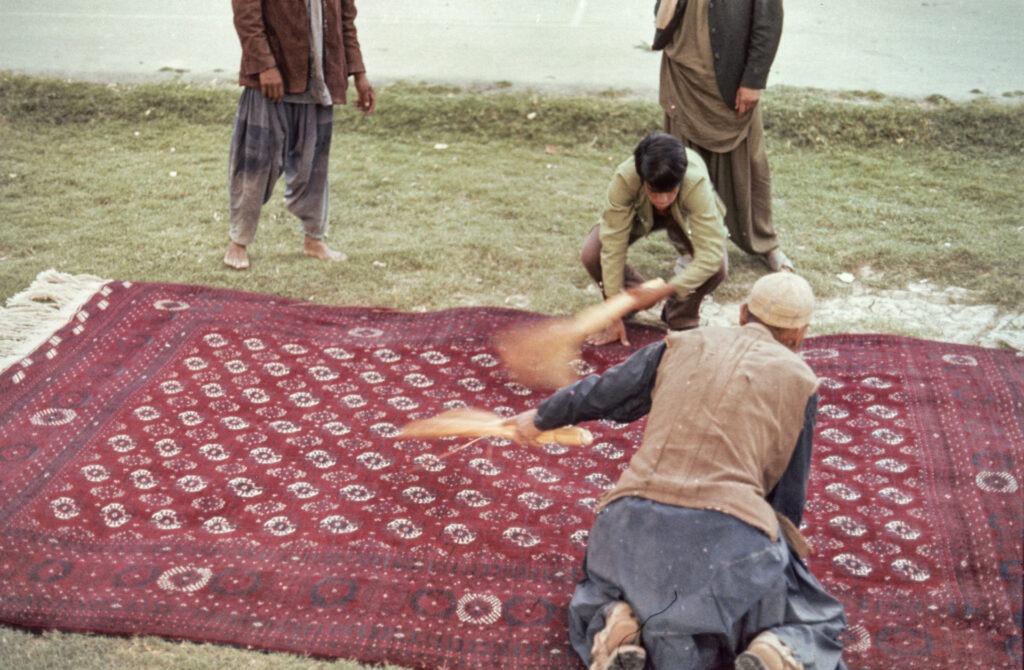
{"x": 220, "y": 466}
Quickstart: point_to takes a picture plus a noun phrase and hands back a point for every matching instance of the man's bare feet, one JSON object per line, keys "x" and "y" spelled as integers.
{"x": 236, "y": 256}
{"x": 317, "y": 249}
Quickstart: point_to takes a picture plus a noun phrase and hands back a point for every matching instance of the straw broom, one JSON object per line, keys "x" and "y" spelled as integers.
{"x": 540, "y": 354}
{"x": 478, "y": 423}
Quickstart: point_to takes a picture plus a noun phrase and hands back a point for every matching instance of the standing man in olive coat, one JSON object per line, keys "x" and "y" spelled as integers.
{"x": 712, "y": 74}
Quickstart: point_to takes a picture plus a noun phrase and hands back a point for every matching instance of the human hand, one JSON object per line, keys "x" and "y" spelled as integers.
{"x": 526, "y": 431}
{"x": 367, "y": 100}
{"x": 272, "y": 85}
{"x": 615, "y": 332}
{"x": 746, "y": 99}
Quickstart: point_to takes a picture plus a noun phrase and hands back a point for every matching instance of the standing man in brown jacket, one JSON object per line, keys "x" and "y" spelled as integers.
{"x": 694, "y": 560}
{"x": 297, "y": 57}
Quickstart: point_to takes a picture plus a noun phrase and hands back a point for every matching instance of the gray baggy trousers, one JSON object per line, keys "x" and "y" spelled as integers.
{"x": 702, "y": 585}
{"x": 271, "y": 139}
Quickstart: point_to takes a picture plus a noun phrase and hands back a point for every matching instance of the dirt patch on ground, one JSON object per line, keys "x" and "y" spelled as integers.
{"x": 921, "y": 310}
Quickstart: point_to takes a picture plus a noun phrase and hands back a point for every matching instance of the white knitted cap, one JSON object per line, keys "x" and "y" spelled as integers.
{"x": 782, "y": 299}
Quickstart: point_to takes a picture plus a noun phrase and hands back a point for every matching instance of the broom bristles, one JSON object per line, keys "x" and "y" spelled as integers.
{"x": 469, "y": 422}
{"x": 540, "y": 355}
{"x": 454, "y": 423}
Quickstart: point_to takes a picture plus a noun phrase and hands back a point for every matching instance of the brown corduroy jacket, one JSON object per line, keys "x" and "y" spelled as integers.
{"x": 275, "y": 33}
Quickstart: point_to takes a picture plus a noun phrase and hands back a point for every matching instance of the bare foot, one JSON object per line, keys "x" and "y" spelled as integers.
{"x": 317, "y": 249}
{"x": 236, "y": 256}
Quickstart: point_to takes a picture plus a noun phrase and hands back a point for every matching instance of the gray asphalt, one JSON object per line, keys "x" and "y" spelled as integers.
{"x": 915, "y": 48}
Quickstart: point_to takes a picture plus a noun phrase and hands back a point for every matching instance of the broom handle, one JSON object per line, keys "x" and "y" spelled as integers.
{"x": 569, "y": 435}
{"x": 598, "y": 317}
{"x": 572, "y": 436}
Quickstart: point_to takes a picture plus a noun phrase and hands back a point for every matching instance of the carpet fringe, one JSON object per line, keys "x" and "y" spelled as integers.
{"x": 33, "y": 315}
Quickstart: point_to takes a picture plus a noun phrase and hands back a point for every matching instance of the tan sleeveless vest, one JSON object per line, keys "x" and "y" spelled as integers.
{"x": 728, "y": 407}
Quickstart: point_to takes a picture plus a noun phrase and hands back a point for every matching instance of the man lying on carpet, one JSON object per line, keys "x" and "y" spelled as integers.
{"x": 662, "y": 186}
{"x": 692, "y": 559}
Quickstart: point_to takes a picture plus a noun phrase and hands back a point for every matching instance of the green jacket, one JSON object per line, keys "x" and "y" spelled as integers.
{"x": 629, "y": 215}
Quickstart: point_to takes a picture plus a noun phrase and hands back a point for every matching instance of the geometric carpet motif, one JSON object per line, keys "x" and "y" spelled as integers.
{"x": 222, "y": 466}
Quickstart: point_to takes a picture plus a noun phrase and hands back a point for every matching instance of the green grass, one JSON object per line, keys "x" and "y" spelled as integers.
{"x": 69, "y": 651}
{"x": 128, "y": 182}
{"x": 449, "y": 197}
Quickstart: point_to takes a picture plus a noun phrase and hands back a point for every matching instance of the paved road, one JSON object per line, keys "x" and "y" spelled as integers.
{"x": 956, "y": 48}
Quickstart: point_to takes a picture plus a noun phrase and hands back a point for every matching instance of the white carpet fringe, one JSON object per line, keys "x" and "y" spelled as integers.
{"x": 33, "y": 315}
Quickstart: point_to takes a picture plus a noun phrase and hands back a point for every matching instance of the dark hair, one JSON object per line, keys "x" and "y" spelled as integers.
{"x": 660, "y": 161}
